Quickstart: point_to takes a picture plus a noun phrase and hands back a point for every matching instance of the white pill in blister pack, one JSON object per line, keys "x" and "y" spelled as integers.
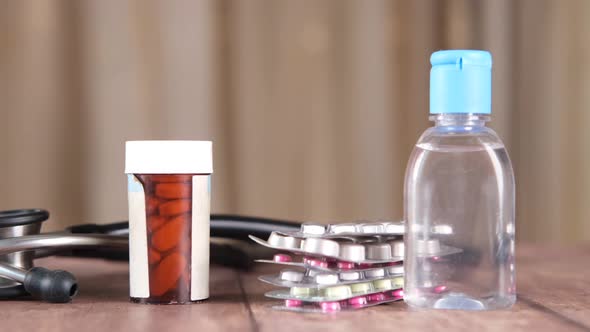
{"x": 378, "y": 251}
{"x": 293, "y": 276}
{"x": 352, "y": 252}
{"x": 312, "y": 273}
{"x": 313, "y": 229}
{"x": 376, "y": 273}
{"x": 397, "y": 248}
{"x": 342, "y": 228}
{"x": 398, "y": 269}
{"x": 282, "y": 241}
{"x": 372, "y": 228}
{"x": 321, "y": 247}
{"x": 427, "y": 246}
{"x": 394, "y": 228}
{"x": 442, "y": 229}
{"x": 349, "y": 276}
{"x": 326, "y": 279}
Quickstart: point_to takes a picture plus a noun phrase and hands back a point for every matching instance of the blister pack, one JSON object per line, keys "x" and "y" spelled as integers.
{"x": 369, "y": 251}
{"x": 353, "y": 303}
{"x": 386, "y": 228}
{"x": 321, "y": 279}
{"x": 362, "y": 229}
{"x": 323, "y": 264}
{"x": 373, "y": 250}
{"x": 339, "y": 292}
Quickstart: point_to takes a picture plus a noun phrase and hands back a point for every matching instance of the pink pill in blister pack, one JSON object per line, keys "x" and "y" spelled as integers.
{"x": 346, "y": 265}
{"x": 440, "y": 289}
{"x": 376, "y": 297}
{"x": 359, "y": 300}
{"x": 354, "y": 303}
{"x": 293, "y": 303}
{"x": 439, "y": 259}
{"x": 330, "y": 306}
{"x": 315, "y": 262}
{"x": 434, "y": 289}
{"x": 282, "y": 258}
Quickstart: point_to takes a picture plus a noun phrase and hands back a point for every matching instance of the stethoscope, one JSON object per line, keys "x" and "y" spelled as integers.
{"x": 21, "y": 242}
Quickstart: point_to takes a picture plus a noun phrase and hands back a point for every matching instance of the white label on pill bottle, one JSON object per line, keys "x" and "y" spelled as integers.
{"x": 200, "y": 237}
{"x": 139, "y": 285}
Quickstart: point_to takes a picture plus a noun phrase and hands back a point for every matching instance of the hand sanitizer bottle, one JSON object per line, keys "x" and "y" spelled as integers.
{"x": 459, "y": 195}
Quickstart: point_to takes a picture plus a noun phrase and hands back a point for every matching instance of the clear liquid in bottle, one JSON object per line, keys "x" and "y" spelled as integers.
{"x": 463, "y": 183}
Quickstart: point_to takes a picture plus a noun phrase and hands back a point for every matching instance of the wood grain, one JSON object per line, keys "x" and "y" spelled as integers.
{"x": 103, "y": 305}
{"x": 552, "y": 290}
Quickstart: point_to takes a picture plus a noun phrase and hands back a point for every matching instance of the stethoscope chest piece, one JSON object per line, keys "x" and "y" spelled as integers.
{"x": 18, "y": 275}
{"x": 17, "y": 223}
{"x": 23, "y": 217}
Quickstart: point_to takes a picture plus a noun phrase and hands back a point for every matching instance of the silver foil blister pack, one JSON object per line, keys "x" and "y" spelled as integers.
{"x": 339, "y": 292}
{"x": 384, "y": 228}
{"x": 351, "y": 304}
{"x": 323, "y": 264}
{"x": 370, "y": 251}
{"x": 322, "y": 279}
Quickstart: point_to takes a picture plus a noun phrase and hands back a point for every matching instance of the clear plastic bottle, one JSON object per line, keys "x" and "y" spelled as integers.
{"x": 460, "y": 195}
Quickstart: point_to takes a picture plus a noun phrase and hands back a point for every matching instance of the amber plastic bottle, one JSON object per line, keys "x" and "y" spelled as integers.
{"x": 169, "y": 221}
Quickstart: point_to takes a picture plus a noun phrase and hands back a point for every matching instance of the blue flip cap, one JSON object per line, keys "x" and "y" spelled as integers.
{"x": 461, "y": 82}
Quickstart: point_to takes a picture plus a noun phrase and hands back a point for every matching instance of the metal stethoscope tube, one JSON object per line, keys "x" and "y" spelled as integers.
{"x": 54, "y": 241}
{"x": 60, "y": 240}
{"x": 14, "y": 273}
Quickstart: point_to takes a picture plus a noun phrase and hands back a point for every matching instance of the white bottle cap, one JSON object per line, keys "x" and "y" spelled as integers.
{"x": 168, "y": 157}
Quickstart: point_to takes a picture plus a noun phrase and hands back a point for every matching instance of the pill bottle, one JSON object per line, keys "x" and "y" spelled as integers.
{"x": 169, "y": 185}
{"x": 459, "y": 196}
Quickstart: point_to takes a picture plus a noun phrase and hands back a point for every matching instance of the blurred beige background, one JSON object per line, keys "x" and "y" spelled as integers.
{"x": 313, "y": 106}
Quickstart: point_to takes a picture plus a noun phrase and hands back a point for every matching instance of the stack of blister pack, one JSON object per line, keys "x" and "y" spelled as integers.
{"x": 337, "y": 267}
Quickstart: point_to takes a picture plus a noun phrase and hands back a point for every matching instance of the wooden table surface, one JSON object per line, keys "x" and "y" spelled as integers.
{"x": 553, "y": 295}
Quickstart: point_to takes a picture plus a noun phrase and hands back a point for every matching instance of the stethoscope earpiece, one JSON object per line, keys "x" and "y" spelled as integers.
{"x": 57, "y": 286}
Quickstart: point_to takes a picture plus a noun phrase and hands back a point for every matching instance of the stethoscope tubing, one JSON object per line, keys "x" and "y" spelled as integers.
{"x": 111, "y": 242}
